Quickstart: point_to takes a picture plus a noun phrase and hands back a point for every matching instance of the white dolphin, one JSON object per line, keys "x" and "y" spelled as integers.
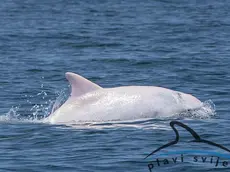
{"x": 90, "y": 102}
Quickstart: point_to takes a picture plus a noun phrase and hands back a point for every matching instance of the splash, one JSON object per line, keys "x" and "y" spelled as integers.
{"x": 60, "y": 100}
{"x": 33, "y": 112}
{"x": 208, "y": 110}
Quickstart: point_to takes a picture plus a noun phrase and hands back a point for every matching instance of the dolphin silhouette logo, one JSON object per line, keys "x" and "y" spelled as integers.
{"x": 197, "y": 138}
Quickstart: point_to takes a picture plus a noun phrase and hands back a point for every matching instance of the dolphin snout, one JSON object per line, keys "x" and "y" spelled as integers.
{"x": 192, "y": 101}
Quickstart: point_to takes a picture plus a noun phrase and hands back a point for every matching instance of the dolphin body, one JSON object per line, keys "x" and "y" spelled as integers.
{"x": 90, "y": 102}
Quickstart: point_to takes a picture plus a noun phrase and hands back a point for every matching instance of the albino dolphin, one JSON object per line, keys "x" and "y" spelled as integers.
{"x": 90, "y": 102}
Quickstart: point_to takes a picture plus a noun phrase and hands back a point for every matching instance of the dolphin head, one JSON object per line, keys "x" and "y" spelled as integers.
{"x": 189, "y": 101}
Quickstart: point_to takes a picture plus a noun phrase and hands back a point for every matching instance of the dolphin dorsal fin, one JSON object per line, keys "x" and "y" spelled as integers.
{"x": 80, "y": 85}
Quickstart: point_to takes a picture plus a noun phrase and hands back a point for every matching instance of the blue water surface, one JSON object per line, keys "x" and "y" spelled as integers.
{"x": 182, "y": 45}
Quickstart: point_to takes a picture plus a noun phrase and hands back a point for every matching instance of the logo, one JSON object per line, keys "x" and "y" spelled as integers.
{"x": 217, "y": 159}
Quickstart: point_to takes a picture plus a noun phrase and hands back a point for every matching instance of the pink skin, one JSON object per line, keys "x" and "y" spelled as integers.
{"x": 89, "y": 101}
